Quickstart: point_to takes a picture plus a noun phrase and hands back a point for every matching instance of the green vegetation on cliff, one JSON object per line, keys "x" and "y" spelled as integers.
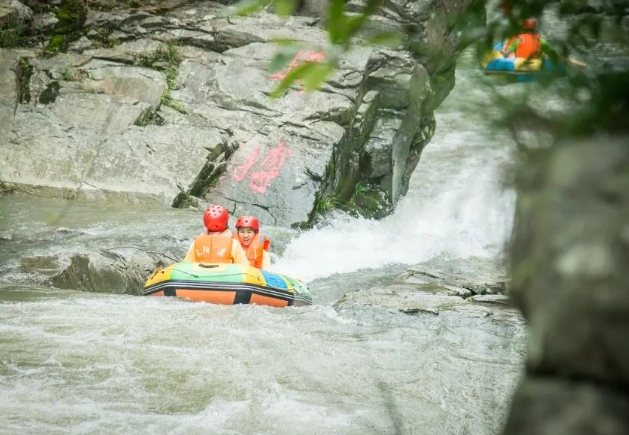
{"x": 167, "y": 61}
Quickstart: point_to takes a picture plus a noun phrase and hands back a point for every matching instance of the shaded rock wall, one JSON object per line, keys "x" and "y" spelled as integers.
{"x": 570, "y": 280}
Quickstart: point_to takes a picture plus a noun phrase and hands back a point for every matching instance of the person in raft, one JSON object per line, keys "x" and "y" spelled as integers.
{"x": 217, "y": 244}
{"x": 253, "y": 243}
{"x": 529, "y": 44}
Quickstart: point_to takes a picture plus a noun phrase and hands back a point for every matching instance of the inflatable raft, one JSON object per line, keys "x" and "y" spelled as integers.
{"x": 517, "y": 68}
{"x": 227, "y": 284}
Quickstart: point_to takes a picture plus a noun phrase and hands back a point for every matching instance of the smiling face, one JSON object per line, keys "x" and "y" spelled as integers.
{"x": 246, "y": 235}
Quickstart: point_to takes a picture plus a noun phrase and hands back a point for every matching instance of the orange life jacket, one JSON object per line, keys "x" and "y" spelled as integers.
{"x": 529, "y": 46}
{"x": 254, "y": 251}
{"x": 214, "y": 248}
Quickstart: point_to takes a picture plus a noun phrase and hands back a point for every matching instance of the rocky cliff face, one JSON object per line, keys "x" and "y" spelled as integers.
{"x": 169, "y": 101}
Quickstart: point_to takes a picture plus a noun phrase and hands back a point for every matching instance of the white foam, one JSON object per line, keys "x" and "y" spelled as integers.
{"x": 456, "y": 206}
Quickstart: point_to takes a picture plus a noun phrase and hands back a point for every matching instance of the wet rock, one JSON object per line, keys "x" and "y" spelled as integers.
{"x": 570, "y": 280}
{"x": 119, "y": 271}
{"x": 543, "y": 406}
{"x": 141, "y": 84}
{"x": 45, "y": 265}
{"x": 80, "y": 45}
{"x": 478, "y": 276}
{"x": 158, "y": 160}
{"x": 44, "y": 23}
{"x": 491, "y": 299}
{"x": 13, "y": 13}
{"x": 440, "y": 287}
{"x": 127, "y": 52}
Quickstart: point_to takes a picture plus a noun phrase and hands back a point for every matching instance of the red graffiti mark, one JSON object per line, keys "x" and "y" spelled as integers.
{"x": 300, "y": 58}
{"x": 241, "y": 171}
{"x": 269, "y": 168}
{"x": 273, "y": 163}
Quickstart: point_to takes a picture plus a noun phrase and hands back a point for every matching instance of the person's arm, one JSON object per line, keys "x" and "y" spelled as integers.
{"x": 266, "y": 260}
{"x": 547, "y": 49}
{"x": 191, "y": 255}
{"x": 238, "y": 254}
{"x": 514, "y": 46}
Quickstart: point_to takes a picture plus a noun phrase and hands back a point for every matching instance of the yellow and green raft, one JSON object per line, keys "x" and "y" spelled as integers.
{"x": 227, "y": 284}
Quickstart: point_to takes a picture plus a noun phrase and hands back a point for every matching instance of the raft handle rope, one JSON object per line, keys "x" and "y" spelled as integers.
{"x": 223, "y": 275}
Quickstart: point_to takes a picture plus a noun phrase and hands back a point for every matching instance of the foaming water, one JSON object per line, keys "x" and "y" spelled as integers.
{"x": 106, "y": 364}
{"x": 457, "y": 206}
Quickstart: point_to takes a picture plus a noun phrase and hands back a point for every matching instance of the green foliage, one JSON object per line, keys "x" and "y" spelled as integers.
{"x": 171, "y": 78}
{"x": 360, "y": 188}
{"x": 390, "y": 39}
{"x": 50, "y": 94}
{"x": 72, "y": 11}
{"x": 68, "y": 74}
{"x": 149, "y": 117}
{"x": 26, "y": 72}
{"x": 57, "y": 44}
{"x": 283, "y": 56}
{"x": 169, "y": 54}
{"x": 327, "y": 203}
{"x": 71, "y": 15}
{"x": 167, "y": 100}
{"x": 11, "y": 37}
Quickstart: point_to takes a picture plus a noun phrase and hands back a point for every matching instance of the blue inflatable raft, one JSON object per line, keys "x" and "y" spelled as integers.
{"x": 517, "y": 68}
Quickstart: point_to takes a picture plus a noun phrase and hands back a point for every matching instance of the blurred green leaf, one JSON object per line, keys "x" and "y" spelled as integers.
{"x": 295, "y": 74}
{"x": 286, "y": 41}
{"x": 317, "y": 75}
{"x": 356, "y": 23}
{"x": 390, "y": 39}
{"x": 245, "y": 7}
{"x": 337, "y": 21}
{"x": 282, "y": 58}
{"x": 284, "y": 7}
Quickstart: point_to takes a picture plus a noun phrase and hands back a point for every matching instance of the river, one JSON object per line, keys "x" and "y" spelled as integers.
{"x": 81, "y": 363}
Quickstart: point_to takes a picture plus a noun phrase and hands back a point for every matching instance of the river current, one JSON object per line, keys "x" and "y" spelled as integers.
{"x": 81, "y": 363}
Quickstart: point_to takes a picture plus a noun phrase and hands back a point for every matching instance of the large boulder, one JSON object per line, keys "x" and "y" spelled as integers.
{"x": 472, "y": 288}
{"x": 570, "y": 280}
{"x": 175, "y": 106}
{"x": 119, "y": 271}
{"x": 14, "y": 14}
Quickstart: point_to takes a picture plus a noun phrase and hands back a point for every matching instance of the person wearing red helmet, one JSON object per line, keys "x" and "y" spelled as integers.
{"x": 255, "y": 245}
{"x": 529, "y": 44}
{"x": 217, "y": 244}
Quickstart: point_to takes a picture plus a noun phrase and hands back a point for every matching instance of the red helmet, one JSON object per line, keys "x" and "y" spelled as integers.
{"x": 215, "y": 218}
{"x": 529, "y": 24}
{"x": 248, "y": 221}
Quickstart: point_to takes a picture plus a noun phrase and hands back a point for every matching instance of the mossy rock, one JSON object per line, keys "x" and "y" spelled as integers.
{"x": 72, "y": 13}
{"x": 26, "y": 72}
{"x": 6, "y": 188}
{"x": 370, "y": 203}
{"x": 51, "y": 93}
